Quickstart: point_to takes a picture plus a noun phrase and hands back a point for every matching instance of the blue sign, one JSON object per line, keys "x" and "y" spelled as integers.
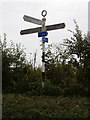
{"x": 45, "y": 39}
{"x": 42, "y": 34}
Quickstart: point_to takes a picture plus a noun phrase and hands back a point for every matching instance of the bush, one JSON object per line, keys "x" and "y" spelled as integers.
{"x": 35, "y": 88}
{"x": 77, "y": 89}
{"x": 50, "y": 89}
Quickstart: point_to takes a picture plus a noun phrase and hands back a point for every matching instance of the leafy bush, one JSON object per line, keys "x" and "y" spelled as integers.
{"x": 77, "y": 89}
{"x": 50, "y": 89}
{"x": 35, "y": 88}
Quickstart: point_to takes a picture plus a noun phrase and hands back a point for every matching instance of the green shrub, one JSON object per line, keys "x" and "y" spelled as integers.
{"x": 77, "y": 89}
{"x": 50, "y": 89}
{"x": 35, "y": 88}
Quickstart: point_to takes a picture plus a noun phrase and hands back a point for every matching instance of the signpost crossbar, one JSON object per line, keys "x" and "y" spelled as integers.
{"x": 30, "y": 31}
{"x": 39, "y": 29}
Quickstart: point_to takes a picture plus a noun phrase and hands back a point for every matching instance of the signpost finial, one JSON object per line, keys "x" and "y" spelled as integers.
{"x": 44, "y": 13}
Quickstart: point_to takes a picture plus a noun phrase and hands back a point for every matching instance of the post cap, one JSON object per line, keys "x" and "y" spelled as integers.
{"x": 44, "y": 13}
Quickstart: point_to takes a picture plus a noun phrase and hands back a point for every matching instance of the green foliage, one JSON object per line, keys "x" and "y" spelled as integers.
{"x": 79, "y": 45}
{"x": 13, "y": 62}
{"x": 21, "y": 106}
{"x": 50, "y": 89}
{"x": 72, "y": 63}
{"x": 77, "y": 89}
{"x": 67, "y": 74}
{"x": 67, "y": 68}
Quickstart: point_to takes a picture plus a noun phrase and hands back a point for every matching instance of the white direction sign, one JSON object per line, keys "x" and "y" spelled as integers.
{"x": 33, "y": 20}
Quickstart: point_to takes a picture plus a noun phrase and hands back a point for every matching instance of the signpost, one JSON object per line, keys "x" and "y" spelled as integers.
{"x": 42, "y": 32}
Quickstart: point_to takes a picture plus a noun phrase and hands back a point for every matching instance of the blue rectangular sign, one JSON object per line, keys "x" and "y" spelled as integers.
{"x": 45, "y": 39}
{"x": 42, "y": 34}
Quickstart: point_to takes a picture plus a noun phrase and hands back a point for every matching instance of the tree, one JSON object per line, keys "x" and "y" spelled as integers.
{"x": 57, "y": 69}
{"x": 69, "y": 67}
{"x": 19, "y": 75}
{"x": 79, "y": 47}
{"x": 13, "y": 62}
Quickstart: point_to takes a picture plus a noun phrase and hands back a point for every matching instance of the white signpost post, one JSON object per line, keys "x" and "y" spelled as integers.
{"x": 42, "y": 32}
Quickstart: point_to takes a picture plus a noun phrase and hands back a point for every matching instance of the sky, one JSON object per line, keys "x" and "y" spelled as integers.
{"x": 58, "y": 11}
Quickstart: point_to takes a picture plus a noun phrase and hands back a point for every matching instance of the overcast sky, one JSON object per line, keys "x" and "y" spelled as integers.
{"x": 58, "y": 11}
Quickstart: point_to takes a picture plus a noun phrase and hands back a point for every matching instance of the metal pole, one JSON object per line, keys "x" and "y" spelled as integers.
{"x": 44, "y": 13}
{"x": 43, "y": 63}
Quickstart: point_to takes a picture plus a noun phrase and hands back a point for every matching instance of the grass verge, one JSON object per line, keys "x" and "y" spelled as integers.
{"x": 36, "y": 107}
